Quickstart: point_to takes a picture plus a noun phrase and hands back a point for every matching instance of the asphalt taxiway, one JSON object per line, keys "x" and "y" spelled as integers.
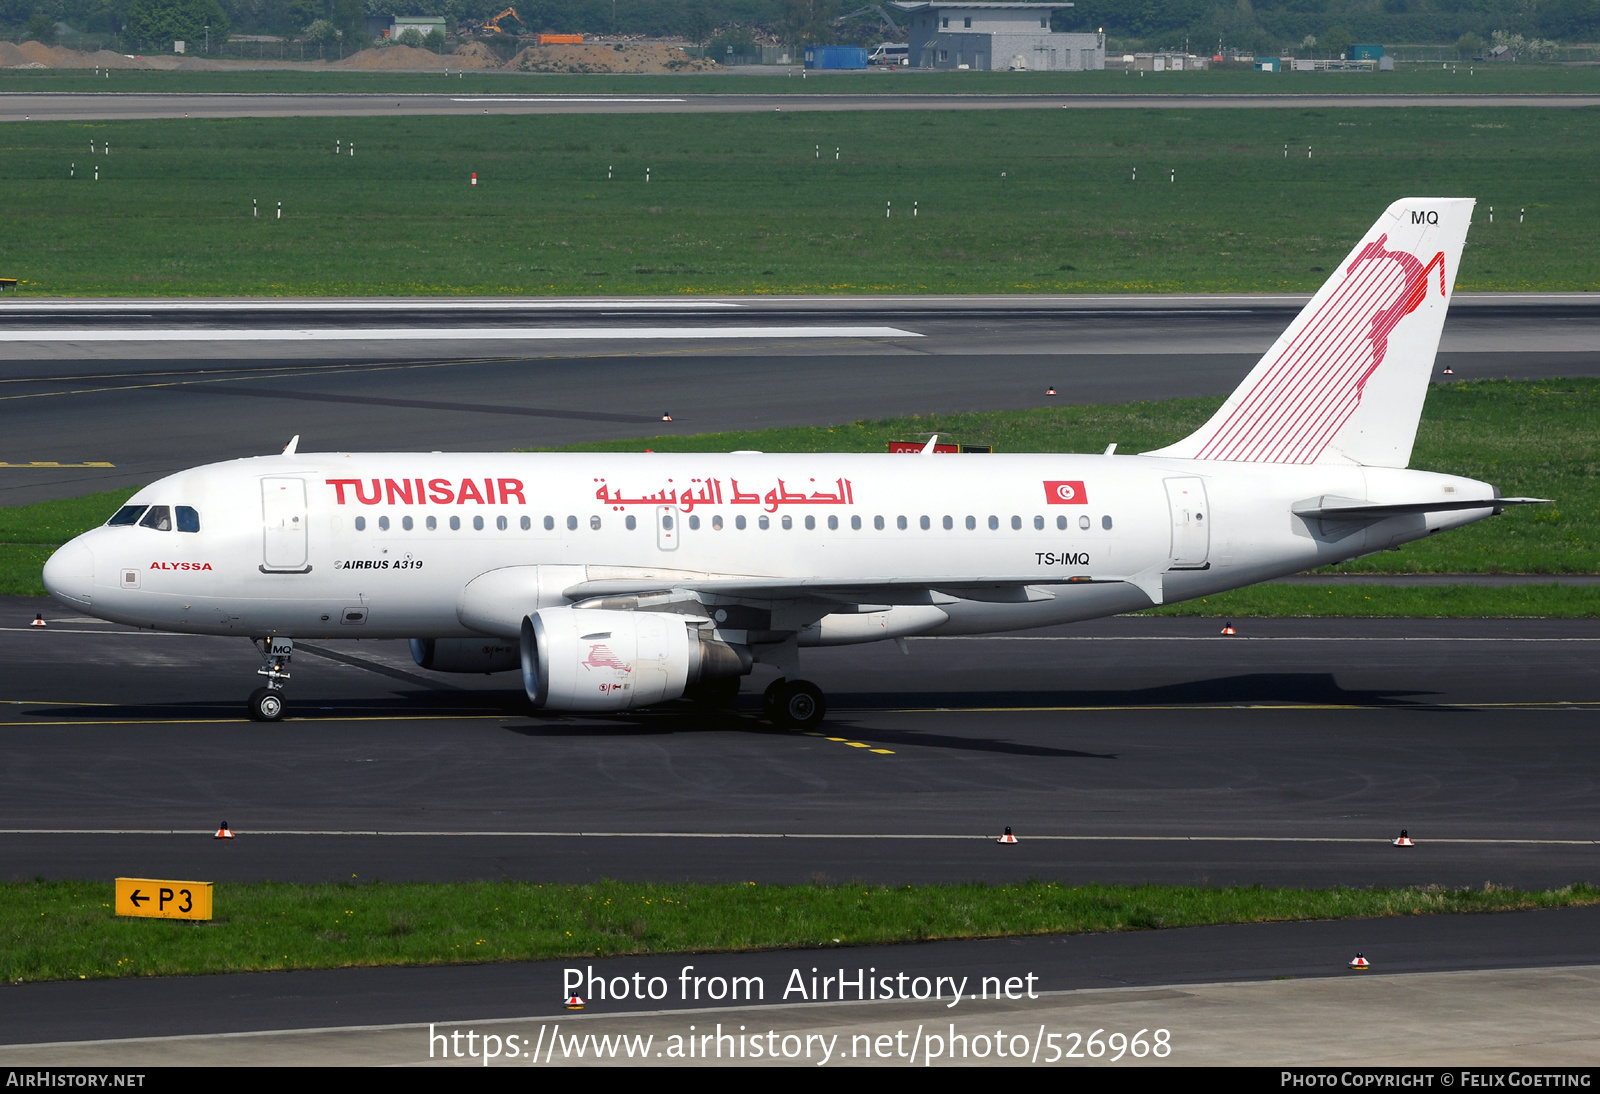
{"x": 1124, "y": 750}
{"x": 69, "y": 106}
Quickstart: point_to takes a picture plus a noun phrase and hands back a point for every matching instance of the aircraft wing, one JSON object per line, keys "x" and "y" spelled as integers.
{"x": 874, "y": 590}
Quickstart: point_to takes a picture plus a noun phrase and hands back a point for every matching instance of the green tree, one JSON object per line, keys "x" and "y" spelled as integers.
{"x": 1336, "y": 41}
{"x": 41, "y": 27}
{"x": 435, "y": 40}
{"x": 166, "y": 20}
{"x": 1470, "y": 45}
{"x": 412, "y": 37}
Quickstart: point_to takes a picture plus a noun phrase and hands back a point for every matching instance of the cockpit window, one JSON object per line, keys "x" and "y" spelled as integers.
{"x": 188, "y": 519}
{"x": 159, "y": 517}
{"x": 128, "y": 514}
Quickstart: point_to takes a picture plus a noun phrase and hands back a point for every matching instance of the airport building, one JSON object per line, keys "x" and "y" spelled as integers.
{"x": 997, "y": 36}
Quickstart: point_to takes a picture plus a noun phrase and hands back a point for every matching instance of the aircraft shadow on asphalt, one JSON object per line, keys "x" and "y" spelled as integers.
{"x": 1302, "y": 689}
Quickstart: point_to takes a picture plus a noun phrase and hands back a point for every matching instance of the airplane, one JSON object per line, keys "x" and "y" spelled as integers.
{"x": 615, "y": 581}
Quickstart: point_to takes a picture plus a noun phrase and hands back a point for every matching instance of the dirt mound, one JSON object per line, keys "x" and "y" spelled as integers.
{"x": 398, "y": 58}
{"x": 475, "y": 55}
{"x": 39, "y": 55}
{"x": 605, "y": 57}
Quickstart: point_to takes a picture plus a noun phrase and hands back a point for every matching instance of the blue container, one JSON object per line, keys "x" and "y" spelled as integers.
{"x": 836, "y": 57}
{"x": 1268, "y": 64}
{"x": 1364, "y": 53}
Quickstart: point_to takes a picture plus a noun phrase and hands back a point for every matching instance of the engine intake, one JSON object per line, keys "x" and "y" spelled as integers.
{"x": 595, "y": 659}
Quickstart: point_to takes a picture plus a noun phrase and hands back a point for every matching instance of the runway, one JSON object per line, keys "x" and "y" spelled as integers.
{"x": 84, "y": 399}
{"x": 63, "y": 107}
{"x": 1125, "y": 750}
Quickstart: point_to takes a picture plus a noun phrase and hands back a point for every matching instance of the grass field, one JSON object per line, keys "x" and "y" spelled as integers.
{"x": 1005, "y": 201}
{"x": 1529, "y": 438}
{"x": 1419, "y": 78}
{"x": 65, "y": 930}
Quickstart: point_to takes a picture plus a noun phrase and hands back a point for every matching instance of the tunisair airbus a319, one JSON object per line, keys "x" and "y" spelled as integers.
{"x": 615, "y": 581}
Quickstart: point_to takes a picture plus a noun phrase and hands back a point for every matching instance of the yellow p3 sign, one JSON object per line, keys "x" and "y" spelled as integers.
{"x": 143, "y": 896}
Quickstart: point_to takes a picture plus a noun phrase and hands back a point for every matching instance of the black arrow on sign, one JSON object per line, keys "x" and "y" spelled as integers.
{"x": 134, "y": 898}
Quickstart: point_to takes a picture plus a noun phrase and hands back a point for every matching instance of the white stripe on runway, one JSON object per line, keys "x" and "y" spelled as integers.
{"x": 452, "y": 334}
{"x": 565, "y": 99}
{"x": 775, "y": 835}
{"x": 386, "y": 305}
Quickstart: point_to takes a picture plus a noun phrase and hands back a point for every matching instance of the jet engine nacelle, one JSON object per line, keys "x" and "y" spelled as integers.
{"x": 596, "y": 659}
{"x": 465, "y": 654}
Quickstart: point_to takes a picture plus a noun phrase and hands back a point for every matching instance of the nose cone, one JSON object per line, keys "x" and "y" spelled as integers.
{"x": 69, "y": 574}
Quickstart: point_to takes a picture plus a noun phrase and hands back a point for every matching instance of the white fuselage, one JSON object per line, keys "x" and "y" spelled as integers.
{"x": 384, "y": 545}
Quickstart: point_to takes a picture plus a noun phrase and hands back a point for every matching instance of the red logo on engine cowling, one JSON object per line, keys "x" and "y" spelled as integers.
{"x": 1065, "y": 493}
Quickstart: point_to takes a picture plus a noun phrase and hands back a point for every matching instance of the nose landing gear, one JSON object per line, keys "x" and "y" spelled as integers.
{"x": 267, "y": 704}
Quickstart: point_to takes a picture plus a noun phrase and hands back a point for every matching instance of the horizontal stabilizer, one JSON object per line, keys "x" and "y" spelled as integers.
{"x": 1332, "y": 508}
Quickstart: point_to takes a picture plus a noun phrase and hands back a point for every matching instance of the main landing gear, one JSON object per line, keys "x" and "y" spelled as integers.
{"x": 794, "y": 704}
{"x": 267, "y": 704}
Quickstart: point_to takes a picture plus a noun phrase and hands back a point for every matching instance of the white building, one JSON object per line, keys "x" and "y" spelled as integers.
{"x": 989, "y": 36}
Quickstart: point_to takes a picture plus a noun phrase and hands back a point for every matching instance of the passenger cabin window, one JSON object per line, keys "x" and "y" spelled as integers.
{"x": 765, "y": 523}
{"x": 716, "y": 523}
{"x": 500, "y": 523}
{"x": 361, "y": 524}
{"x": 477, "y": 524}
{"x": 405, "y": 522}
{"x": 1016, "y": 524}
{"x": 549, "y": 524}
{"x": 159, "y": 517}
{"x": 994, "y": 523}
{"x": 432, "y": 524}
{"x": 739, "y": 522}
{"x": 877, "y": 523}
{"x": 1083, "y": 522}
{"x": 630, "y": 523}
{"x": 788, "y": 523}
{"x": 833, "y": 524}
{"x": 972, "y": 522}
{"x": 572, "y": 524}
{"x": 811, "y": 523}
{"x": 1061, "y": 523}
{"x": 855, "y": 524}
{"x": 188, "y": 519}
{"x": 527, "y": 523}
{"x": 694, "y": 524}
{"x": 1038, "y": 523}
{"x": 383, "y": 524}
{"x": 455, "y": 523}
{"x": 1105, "y": 522}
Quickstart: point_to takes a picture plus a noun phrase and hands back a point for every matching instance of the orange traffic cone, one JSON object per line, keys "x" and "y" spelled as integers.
{"x": 223, "y": 833}
{"x": 1227, "y": 628}
{"x": 574, "y": 1003}
{"x": 1008, "y": 837}
{"x": 38, "y": 620}
{"x": 1404, "y": 840}
{"x": 1360, "y": 963}
{"x": 666, "y": 417}
{"x": 1448, "y": 371}
{"x": 1049, "y": 391}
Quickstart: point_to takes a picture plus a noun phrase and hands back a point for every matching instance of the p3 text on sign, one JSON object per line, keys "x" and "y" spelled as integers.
{"x": 153, "y": 899}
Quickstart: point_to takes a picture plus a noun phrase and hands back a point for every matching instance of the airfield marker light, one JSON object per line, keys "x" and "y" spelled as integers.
{"x": 1308, "y": 151}
{"x": 1520, "y": 214}
{"x": 1491, "y": 214}
{"x": 608, "y": 171}
{"x": 223, "y": 832}
{"x": 38, "y": 620}
{"x": 818, "y": 148}
{"x": 647, "y": 174}
{"x": 913, "y": 208}
{"x": 352, "y": 148}
{"x": 1135, "y": 174}
{"x": 886, "y": 209}
{"x": 1174, "y": 177}
{"x": 97, "y": 172}
{"x": 1404, "y": 840}
{"x": 255, "y": 210}
{"x": 835, "y": 155}
{"x": 72, "y": 172}
{"x": 1360, "y": 963}
{"x": 280, "y": 210}
{"x": 1286, "y": 150}
{"x": 474, "y": 178}
{"x": 1008, "y": 837}
{"x": 338, "y": 146}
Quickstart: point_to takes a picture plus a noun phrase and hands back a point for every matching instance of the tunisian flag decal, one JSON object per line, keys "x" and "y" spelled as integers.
{"x": 1065, "y": 493}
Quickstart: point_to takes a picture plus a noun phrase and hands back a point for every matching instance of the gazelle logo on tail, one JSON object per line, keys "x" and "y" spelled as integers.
{"x": 1345, "y": 382}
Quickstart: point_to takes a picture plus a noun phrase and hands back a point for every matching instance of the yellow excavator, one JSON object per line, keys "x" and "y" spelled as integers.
{"x": 493, "y": 25}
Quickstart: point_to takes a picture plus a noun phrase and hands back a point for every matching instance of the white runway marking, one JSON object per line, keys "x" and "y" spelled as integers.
{"x": 391, "y": 305}
{"x": 777, "y": 835}
{"x": 452, "y": 334}
{"x": 564, "y": 99}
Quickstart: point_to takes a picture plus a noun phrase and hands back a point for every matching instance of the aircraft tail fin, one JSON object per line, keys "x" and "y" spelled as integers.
{"x": 1345, "y": 383}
